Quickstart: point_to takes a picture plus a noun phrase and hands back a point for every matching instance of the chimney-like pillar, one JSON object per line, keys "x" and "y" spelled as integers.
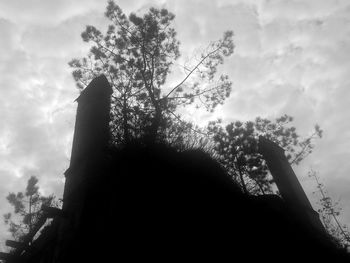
{"x": 90, "y": 141}
{"x": 91, "y": 136}
{"x": 288, "y": 183}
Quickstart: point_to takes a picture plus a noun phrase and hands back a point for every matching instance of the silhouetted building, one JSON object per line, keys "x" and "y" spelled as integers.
{"x": 154, "y": 203}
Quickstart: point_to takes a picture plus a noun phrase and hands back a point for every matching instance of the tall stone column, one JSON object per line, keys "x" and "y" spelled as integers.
{"x": 288, "y": 184}
{"x": 91, "y": 136}
{"x": 90, "y": 142}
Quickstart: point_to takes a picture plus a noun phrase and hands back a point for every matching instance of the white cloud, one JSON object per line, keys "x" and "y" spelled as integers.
{"x": 48, "y": 12}
{"x": 291, "y": 57}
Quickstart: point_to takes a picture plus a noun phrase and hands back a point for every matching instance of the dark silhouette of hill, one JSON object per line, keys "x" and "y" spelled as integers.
{"x": 154, "y": 203}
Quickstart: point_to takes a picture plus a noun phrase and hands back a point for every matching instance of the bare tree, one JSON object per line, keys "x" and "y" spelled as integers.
{"x": 329, "y": 212}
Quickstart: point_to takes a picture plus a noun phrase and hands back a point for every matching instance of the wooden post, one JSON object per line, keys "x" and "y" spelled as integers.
{"x": 15, "y": 244}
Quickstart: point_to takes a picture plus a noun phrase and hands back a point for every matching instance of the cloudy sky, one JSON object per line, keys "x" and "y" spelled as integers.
{"x": 291, "y": 57}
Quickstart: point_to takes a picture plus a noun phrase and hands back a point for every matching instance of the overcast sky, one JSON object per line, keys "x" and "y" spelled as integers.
{"x": 291, "y": 57}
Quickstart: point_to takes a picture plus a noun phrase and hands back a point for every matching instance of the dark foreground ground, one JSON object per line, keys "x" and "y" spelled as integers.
{"x": 160, "y": 205}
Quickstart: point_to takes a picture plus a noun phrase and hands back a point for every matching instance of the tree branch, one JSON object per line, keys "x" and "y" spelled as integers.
{"x": 190, "y": 73}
